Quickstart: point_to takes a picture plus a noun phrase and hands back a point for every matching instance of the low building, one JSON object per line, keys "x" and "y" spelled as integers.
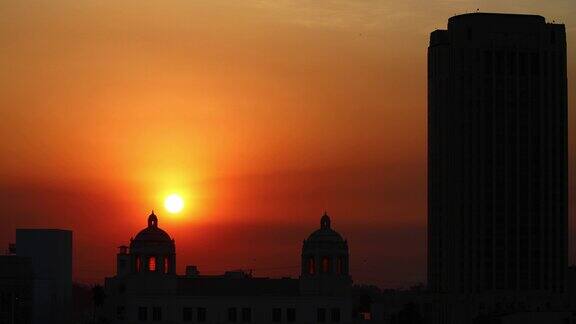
{"x": 146, "y": 286}
{"x": 422, "y": 306}
{"x": 36, "y": 278}
{"x": 50, "y": 252}
{"x": 16, "y": 278}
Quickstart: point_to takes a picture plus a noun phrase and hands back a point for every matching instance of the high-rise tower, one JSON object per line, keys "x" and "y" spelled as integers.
{"x": 497, "y": 155}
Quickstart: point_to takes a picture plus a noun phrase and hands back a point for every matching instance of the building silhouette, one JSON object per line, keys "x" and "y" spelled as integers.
{"x": 36, "y": 278}
{"x": 146, "y": 286}
{"x": 325, "y": 264}
{"x": 497, "y": 155}
{"x": 16, "y": 289}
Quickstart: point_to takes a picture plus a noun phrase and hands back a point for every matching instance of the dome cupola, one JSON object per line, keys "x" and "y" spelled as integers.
{"x": 326, "y": 234}
{"x": 325, "y": 221}
{"x": 325, "y": 261}
{"x": 151, "y": 235}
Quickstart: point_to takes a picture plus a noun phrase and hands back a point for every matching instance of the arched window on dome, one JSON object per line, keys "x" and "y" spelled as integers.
{"x": 325, "y": 265}
{"x": 311, "y": 266}
{"x": 165, "y": 265}
{"x": 138, "y": 264}
{"x": 152, "y": 264}
{"x": 340, "y": 265}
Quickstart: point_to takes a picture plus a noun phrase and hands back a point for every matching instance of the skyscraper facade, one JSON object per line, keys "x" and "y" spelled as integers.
{"x": 497, "y": 155}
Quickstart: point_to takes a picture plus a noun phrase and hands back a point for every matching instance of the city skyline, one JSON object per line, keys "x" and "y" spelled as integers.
{"x": 334, "y": 120}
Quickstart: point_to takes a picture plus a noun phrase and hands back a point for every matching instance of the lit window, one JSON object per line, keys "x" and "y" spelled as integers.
{"x": 311, "y": 266}
{"x": 165, "y": 265}
{"x": 152, "y": 264}
{"x": 325, "y": 265}
{"x": 138, "y": 264}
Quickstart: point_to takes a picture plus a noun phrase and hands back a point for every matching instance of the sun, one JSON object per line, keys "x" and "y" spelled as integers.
{"x": 174, "y": 203}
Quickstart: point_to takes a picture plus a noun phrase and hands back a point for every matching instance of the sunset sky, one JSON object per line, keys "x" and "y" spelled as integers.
{"x": 260, "y": 113}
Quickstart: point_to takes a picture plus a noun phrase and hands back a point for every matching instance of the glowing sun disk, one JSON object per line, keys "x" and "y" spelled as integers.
{"x": 174, "y": 203}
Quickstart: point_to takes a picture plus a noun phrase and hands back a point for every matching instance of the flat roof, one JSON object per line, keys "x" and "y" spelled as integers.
{"x": 536, "y": 18}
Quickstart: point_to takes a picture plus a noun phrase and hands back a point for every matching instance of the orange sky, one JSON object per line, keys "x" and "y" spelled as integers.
{"x": 263, "y": 113}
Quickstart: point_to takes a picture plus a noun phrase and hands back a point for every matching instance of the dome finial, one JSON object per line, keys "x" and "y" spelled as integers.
{"x": 325, "y": 221}
{"x": 152, "y": 220}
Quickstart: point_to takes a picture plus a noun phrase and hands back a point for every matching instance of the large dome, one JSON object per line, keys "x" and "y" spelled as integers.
{"x": 323, "y": 235}
{"x": 151, "y": 235}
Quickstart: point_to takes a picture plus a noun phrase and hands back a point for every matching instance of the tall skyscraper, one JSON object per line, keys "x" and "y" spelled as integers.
{"x": 497, "y": 155}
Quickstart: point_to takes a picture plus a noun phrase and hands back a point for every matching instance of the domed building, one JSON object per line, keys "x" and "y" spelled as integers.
{"x": 147, "y": 288}
{"x": 325, "y": 262}
{"x": 152, "y": 250}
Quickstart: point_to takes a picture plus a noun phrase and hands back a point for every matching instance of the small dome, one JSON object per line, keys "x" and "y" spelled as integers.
{"x": 152, "y": 234}
{"x": 325, "y": 233}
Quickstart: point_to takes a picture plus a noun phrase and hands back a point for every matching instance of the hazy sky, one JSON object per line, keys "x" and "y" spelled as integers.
{"x": 260, "y": 113}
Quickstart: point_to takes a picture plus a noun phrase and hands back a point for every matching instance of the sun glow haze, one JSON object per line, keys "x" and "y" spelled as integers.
{"x": 174, "y": 203}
